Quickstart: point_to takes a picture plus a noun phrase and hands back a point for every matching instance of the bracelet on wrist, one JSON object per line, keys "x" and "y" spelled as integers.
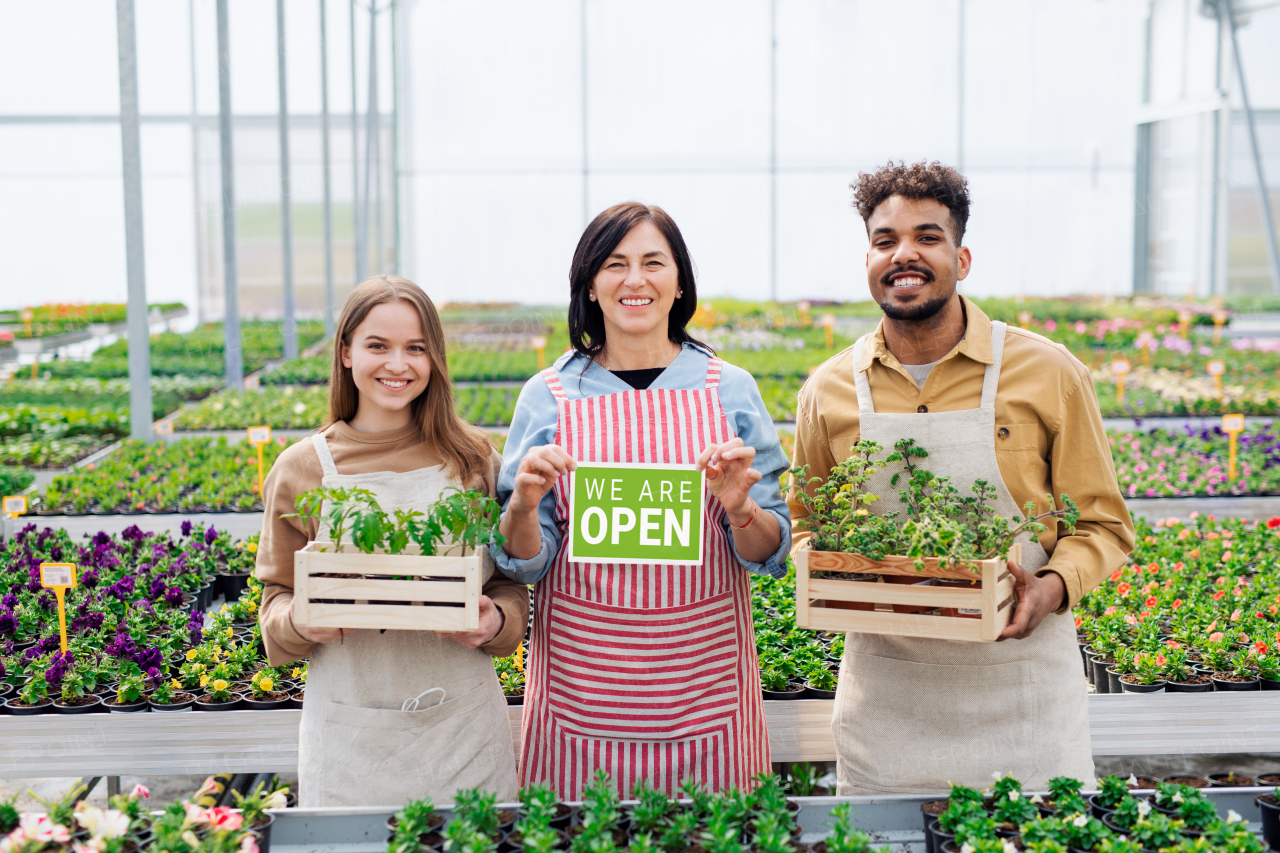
{"x": 755, "y": 508}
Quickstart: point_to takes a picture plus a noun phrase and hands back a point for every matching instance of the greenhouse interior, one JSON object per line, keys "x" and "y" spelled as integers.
{"x": 637, "y": 385}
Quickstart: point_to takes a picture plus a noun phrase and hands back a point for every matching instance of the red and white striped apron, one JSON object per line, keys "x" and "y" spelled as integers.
{"x": 645, "y": 671}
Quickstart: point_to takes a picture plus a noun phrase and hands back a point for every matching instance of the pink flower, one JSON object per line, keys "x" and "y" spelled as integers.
{"x": 1215, "y": 636}
{"x": 140, "y": 791}
{"x": 1217, "y": 596}
{"x": 38, "y": 827}
{"x": 1109, "y": 611}
{"x": 1130, "y": 619}
{"x": 248, "y": 844}
{"x": 223, "y": 819}
{"x": 1177, "y": 602}
{"x": 1151, "y": 601}
{"x": 1235, "y": 615}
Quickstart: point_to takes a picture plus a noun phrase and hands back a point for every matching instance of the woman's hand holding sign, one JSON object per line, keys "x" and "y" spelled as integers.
{"x": 729, "y": 479}
{"x": 537, "y": 474}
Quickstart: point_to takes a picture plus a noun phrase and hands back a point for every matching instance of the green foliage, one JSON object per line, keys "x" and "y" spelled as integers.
{"x": 14, "y": 481}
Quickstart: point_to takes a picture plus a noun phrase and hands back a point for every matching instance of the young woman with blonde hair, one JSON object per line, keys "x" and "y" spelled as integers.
{"x": 391, "y": 429}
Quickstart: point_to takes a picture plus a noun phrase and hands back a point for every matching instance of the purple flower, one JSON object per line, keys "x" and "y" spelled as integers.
{"x": 59, "y": 664}
{"x": 159, "y": 551}
{"x": 9, "y": 601}
{"x": 31, "y": 654}
{"x": 157, "y": 588}
{"x": 173, "y": 596}
{"x": 34, "y": 586}
{"x": 210, "y": 535}
{"x": 56, "y": 554}
{"x": 45, "y": 600}
{"x": 122, "y": 647}
{"x": 49, "y": 644}
{"x": 8, "y": 623}
{"x": 89, "y": 579}
{"x": 154, "y": 677}
{"x": 133, "y": 533}
{"x": 87, "y": 622}
{"x": 186, "y": 528}
{"x": 149, "y": 659}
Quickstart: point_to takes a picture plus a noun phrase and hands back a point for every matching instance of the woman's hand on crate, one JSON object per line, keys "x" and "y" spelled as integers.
{"x": 318, "y": 635}
{"x": 1037, "y": 598}
{"x": 491, "y": 622}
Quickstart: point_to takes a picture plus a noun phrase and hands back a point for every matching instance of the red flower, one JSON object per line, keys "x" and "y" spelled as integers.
{"x": 1273, "y": 522}
{"x": 1116, "y": 575}
{"x": 1260, "y": 647}
{"x": 1123, "y": 589}
{"x": 1217, "y": 596}
{"x": 1177, "y": 602}
{"x": 1151, "y": 602}
{"x": 1153, "y": 567}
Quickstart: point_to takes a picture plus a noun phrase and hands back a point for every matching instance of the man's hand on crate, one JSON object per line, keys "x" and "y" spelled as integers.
{"x": 1037, "y": 598}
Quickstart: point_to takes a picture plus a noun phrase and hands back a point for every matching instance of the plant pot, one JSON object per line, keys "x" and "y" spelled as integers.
{"x": 1113, "y": 681}
{"x": 1270, "y": 684}
{"x": 205, "y": 704}
{"x": 1205, "y": 686}
{"x": 6, "y": 690}
{"x": 262, "y": 829}
{"x": 1270, "y": 780}
{"x": 515, "y": 698}
{"x": 295, "y": 700}
{"x": 1134, "y": 687}
{"x": 940, "y": 836}
{"x": 1189, "y": 781}
{"x": 1226, "y": 681}
{"x": 794, "y": 693}
{"x": 929, "y": 813}
{"x": 1099, "y": 811}
{"x": 179, "y": 704}
{"x": 1231, "y": 780}
{"x": 1100, "y": 682}
{"x": 233, "y": 584}
{"x": 44, "y": 706}
{"x": 279, "y": 699}
{"x": 564, "y": 816}
{"x": 88, "y": 705}
{"x": 126, "y": 707}
{"x": 811, "y": 692}
{"x": 1270, "y": 819}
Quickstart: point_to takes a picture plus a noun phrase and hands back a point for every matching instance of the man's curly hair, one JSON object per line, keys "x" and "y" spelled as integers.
{"x": 919, "y": 180}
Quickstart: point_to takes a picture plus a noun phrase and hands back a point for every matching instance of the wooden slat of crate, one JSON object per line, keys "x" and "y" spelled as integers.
{"x": 392, "y": 617}
{"x": 828, "y": 561}
{"x": 451, "y": 592}
{"x": 884, "y": 593}
{"x": 896, "y": 624}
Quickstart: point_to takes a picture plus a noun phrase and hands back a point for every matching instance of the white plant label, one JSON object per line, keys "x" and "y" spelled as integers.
{"x": 58, "y": 574}
{"x": 259, "y": 434}
{"x": 15, "y": 505}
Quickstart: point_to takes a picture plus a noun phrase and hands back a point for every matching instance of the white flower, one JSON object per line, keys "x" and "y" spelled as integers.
{"x": 1080, "y": 820}
{"x": 277, "y": 800}
{"x": 299, "y": 408}
{"x": 1144, "y": 808}
{"x": 1037, "y": 799}
{"x": 1177, "y": 797}
{"x": 1133, "y": 781}
{"x": 87, "y": 816}
{"x": 248, "y": 844}
{"x": 997, "y": 775}
{"x": 13, "y": 841}
{"x": 1234, "y": 816}
{"x": 38, "y": 827}
{"x": 966, "y": 848}
{"x": 1013, "y": 796}
{"x": 112, "y": 824}
{"x": 93, "y": 845}
{"x": 1009, "y": 846}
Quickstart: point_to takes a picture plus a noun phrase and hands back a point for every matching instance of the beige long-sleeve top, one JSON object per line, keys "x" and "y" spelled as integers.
{"x": 298, "y": 470}
{"x": 1049, "y": 436}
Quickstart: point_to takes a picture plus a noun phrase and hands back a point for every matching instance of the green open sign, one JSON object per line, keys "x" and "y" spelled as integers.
{"x": 628, "y": 513}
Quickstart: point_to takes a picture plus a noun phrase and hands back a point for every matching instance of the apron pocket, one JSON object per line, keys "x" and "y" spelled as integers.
{"x": 903, "y": 726}
{"x": 376, "y": 755}
{"x": 658, "y": 674}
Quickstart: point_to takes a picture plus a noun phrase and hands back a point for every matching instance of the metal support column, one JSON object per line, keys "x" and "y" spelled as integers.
{"x": 397, "y": 254}
{"x": 231, "y": 278}
{"x": 324, "y": 148}
{"x": 371, "y": 139}
{"x": 1268, "y": 224}
{"x": 960, "y": 90}
{"x": 773, "y": 150}
{"x": 290, "y": 325}
{"x": 586, "y": 209}
{"x": 357, "y": 227}
{"x": 140, "y": 414}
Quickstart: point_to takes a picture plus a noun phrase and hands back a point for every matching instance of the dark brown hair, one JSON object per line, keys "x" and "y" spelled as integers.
{"x": 465, "y": 449}
{"x": 606, "y": 231}
{"x": 933, "y": 180}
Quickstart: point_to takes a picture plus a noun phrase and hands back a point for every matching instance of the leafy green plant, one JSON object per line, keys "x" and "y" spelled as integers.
{"x": 1157, "y": 831}
{"x": 219, "y": 690}
{"x": 1013, "y": 809}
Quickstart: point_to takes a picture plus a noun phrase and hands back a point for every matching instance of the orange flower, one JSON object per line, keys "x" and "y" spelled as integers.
{"x": 1194, "y": 553}
{"x": 1236, "y": 614}
{"x": 1153, "y": 567}
{"x": 1260, "y": 647}
{"x": 1116, "y": 575}
{"x": 1177, "y": 602}
{"x": 1179, "y": 566}
{"x": 1217, "y": 596}
{"x": 1215, "y": 636}
{"x": 1151, "y": 602}
{"x": 1123, "y": 589}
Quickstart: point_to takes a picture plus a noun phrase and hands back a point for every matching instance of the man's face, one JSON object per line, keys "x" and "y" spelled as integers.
{"x": 913, "y": 262}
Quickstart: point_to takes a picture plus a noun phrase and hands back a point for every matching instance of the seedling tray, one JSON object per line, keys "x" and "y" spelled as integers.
{"x": 975, "y": 614}
{"x": 345, "y": 588}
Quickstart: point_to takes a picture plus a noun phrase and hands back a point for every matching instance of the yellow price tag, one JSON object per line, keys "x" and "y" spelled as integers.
{"x": 59, "y": 577}
{"x": 1024, "y": 318}
{"x": 1232, "y": 425}
{"x": 1120, "y": 367}
{"x": 259, "y": 436}
{"x": 1217, "y": 367}
{"x": 164, "y": 426}
{"x": 26, "y": 315}
{"x": 828, "y": 322}
{"x": 15, "y": 505}
{"x": 539, "y": 343}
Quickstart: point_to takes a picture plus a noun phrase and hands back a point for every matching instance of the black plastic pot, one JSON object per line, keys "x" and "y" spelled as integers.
{"x": 6, "y": 690}
{"x": 930, "y": 818}
{"x": 793, "y": 693}
{"x": 1098, "y": 670}
{"x": 1113, "y": 680}
{"x": 1187, "y": 779}
{"x": 44, "y": 706}
{"x": 1223, "y": 685}
{"x": 263, "y": 831}
{"x": 940, "y": 836}
{"x": 128, "y": 707}
{"x": 1270, "y": 684}
{"x": 1231, "y": 780}
{"x": 233, "y": 584}
{"x": 86, "y": 708}
{"x": 515, "y": 698}
{"x": 295, "y": 701}
{"x": 1126, "y": 687}
{"x": 1270, "y": 819}
{"x": 235, "y": 704}
{"x": 1099, "y": 811}
{"x": 267, "y": 704}
{"x": 1182, "y": 687}
{"x": 811, "y": 692}
{"x": 174, "y": 707}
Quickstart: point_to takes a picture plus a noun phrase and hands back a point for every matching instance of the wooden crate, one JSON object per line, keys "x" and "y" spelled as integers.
{"x": 348, "y": 589}
{"x": 816, "y": 598}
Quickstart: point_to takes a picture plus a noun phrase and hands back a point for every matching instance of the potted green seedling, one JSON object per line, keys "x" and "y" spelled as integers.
{"x": 1147, "y": 675}
{"x": 219, "y": 696}
{"x": 168, "y": 696}
{"x": 263, "y": 692}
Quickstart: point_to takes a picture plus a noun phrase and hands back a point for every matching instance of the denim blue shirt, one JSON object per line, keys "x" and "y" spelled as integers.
{"x": 534, "y": 424}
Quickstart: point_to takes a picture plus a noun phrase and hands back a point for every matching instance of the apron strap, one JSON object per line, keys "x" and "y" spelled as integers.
{"x": 553, "y": 382}
{"x": 326, "y": 458}
{"x": 713, "y": 372}
{"x": 865, "y": 406}
{"x": 991, "y": 376}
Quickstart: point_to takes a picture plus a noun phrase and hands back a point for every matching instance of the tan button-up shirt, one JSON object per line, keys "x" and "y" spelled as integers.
{"x": 1049, "y": 437}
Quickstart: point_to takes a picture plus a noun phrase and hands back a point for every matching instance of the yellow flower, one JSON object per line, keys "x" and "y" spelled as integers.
{"x": 253, "y": 547}
{"x": 175, "y": 684}
{"x": 296, "y": 672}
{"x": 231, "y": 632}
{"x": 221, "y": 684}
{"x": 191, "y": 654}
{"x": 204, "y": 680}
{"x": 520, "y": 658}
{"x": 265, "y": 684}
{"x": 861, "y": 512}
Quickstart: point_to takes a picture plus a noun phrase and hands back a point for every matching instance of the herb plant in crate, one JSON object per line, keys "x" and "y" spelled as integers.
{"x": 395, "y": 570}
{"x": 952, "y": 549}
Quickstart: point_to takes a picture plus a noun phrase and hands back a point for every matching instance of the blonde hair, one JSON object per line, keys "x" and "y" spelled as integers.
{"x": 465, "y": 449}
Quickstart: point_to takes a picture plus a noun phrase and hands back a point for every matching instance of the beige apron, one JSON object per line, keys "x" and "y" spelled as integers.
{"x": 393, "y": 716}
{"x": 914, "y": 715}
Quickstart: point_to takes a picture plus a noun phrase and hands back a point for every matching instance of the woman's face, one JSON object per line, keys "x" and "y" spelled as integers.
{"x": 388, "y": 357}
{"x": 637, "y": 286}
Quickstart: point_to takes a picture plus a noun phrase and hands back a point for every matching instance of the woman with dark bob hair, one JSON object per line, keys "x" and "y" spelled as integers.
{"x": 647, "y": 671}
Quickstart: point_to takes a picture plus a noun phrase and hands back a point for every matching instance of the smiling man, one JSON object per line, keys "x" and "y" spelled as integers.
{"x": 990, "y": 403}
